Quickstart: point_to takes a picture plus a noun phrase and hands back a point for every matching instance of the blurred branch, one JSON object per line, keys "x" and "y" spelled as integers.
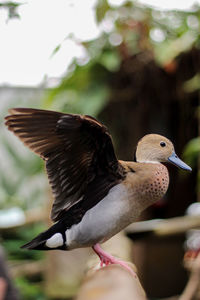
{"x": 111, "y": 282}
{"x": 158, "y": 227}
{"x": 165, "y": 227}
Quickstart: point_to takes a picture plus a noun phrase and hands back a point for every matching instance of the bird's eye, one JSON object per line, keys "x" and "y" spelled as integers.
{"x": 162, "y": 144}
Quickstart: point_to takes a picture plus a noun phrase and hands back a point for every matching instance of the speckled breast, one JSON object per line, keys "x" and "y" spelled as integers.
{"x": 154, "y": 186}
{"x": 159, "y": 183}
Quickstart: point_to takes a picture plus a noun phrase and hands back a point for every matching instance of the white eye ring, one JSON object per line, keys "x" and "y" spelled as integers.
{"x": 162, "y": 144}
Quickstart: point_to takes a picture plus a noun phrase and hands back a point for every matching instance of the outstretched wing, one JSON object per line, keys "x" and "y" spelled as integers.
{"x": 77, "y": 149}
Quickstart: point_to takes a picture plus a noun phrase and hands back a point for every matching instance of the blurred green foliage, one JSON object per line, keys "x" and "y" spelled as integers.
{"x": 125, "y": 30}
{"x": 22, "y": 184}
{"x": 26, "y": 167}
{"x": 13, "y": 240}
{"x": 29, "y": 290}
{"x": 11, "y": 7}
{"x": 191, "y": 152}
{"x": 84, "y": 91}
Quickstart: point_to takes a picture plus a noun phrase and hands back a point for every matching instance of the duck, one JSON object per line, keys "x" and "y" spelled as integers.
{"x": 95, "y": 194}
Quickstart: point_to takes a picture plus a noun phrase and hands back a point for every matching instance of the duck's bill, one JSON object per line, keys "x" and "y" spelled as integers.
{"x": 175, "y": 160}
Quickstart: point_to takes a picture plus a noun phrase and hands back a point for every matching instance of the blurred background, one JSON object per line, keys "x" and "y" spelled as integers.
{"x": 134, "y": 65}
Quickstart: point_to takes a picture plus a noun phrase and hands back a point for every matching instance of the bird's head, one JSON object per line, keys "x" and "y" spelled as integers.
{"x": 156, "y": 148}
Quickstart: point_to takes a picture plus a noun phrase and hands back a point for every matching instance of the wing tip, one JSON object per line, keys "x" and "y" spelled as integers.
{"x": 13, "y": 112}
{"x": 19, "y": 110}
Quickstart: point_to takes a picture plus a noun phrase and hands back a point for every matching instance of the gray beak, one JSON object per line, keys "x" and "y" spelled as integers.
{"x": 178, "y": 162}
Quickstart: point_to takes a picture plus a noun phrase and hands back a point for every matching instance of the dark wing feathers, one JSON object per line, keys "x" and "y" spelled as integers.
{"x": 77, "y": 149}
{"x": 36, "y": 128}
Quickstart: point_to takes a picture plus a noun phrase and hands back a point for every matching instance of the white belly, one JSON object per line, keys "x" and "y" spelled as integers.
{"x": 112, "y": 214}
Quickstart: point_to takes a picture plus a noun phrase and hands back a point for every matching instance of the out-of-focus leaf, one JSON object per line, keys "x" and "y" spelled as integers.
{"x": 10, "y": 4}
{"x": 111, "y": 60}
{"x": 56, "y": 50}
{"x": 192, "y": 151}
{"x": 101, "y": 9}
{"x": 192, "y": 84}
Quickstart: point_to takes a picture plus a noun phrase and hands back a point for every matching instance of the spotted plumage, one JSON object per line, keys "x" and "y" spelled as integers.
{"x": 95, "y": 195}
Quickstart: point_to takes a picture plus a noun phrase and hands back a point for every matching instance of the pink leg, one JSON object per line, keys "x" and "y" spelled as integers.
{"x": 107, "y": 259}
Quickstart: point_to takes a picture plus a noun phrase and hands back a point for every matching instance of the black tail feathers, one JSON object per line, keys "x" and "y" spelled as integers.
{"x": 39, "y": 242}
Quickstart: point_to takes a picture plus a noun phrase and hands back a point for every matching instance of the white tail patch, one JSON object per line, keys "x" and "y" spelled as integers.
{"x": 55, "y": 241}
